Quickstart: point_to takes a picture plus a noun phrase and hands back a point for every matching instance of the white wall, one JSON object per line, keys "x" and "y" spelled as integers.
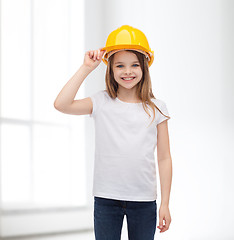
{"x": 193, "y": 74}
{"x": 42, "y": 154}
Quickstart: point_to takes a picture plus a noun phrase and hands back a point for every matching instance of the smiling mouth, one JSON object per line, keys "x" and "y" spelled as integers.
{"x": 128, "y": 79}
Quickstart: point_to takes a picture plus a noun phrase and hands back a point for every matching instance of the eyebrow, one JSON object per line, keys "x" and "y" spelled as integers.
{"x": 123, "y": 62}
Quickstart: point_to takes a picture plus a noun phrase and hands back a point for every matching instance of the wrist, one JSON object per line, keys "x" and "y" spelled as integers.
{"x": 165, "y": 204}
{"x": 86, "y": 68}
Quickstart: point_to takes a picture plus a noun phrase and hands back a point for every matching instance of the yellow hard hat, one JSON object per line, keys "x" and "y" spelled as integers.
{"x": 127, "y": 37}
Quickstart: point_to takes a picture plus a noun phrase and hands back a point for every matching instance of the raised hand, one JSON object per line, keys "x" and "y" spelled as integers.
{"x": 93, "y": 58}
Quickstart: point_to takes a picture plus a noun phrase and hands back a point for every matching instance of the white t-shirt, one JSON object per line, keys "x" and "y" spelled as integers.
{"x": 124, "y": 166}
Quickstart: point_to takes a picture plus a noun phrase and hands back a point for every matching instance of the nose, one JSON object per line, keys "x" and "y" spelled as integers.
{"x": 128, "y": 71}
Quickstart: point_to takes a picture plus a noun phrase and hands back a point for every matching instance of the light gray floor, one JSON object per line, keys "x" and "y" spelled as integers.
{"x": 73, "y": 236}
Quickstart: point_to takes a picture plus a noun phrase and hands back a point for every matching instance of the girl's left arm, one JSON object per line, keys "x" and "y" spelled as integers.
{"x": 165, "y": 173}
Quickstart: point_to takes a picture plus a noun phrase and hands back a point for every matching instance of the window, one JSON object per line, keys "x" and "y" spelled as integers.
{"x": 42, "y": 156}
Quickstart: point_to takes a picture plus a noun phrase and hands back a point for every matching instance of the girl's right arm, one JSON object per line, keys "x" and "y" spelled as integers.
{"x": 65, "y": 100}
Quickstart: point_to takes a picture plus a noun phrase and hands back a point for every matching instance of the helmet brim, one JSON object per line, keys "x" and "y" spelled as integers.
{"x": 110, "y": 50}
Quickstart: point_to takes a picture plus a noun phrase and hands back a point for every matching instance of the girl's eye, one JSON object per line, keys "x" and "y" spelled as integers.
{"x": 135, "y": 65}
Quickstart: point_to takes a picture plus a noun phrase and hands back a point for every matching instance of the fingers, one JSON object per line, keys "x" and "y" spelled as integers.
{"x": 163, "y": 227}
{"x": 160, "y": 223}
{"x": 95, "y": 54}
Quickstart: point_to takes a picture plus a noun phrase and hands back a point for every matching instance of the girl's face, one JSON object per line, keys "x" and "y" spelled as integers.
{"x": 126, "y": 68}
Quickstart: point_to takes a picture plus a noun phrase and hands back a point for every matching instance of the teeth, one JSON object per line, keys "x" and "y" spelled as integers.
{"x": 128, "y": 78}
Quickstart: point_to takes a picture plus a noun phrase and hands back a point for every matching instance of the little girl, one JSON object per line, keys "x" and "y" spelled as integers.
{"x": 129, "y": 123}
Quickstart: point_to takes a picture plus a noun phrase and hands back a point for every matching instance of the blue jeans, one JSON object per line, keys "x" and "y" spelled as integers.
{"x": 109, "y": 215}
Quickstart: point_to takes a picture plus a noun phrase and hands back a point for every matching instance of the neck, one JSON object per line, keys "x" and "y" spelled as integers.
{"x": 127, "y": 95}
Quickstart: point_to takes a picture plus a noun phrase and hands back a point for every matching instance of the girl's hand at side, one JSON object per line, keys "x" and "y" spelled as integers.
{"x": 93, "y": 58}
{"x": 164, "y": 214}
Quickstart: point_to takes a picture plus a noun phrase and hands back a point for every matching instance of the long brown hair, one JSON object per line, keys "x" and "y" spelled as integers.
{"x": 144, "y": 87}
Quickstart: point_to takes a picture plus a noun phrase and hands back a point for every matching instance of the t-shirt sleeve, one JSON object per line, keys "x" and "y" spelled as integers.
{"x": 97, "y": 100}
{"x": 163, "y": 107}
